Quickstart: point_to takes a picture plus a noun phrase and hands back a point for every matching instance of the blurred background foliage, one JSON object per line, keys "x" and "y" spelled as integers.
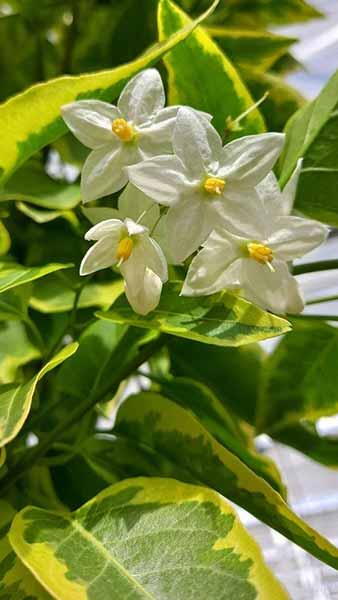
{"x": 58, "y": 37}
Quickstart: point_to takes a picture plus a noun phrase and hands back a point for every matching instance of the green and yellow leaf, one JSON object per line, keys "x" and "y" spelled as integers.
{"x": 16, "y": 400}
{"x": 282, "y": 100}
{"x": 251, "y": 48}
{"x": 16, "y": 581}
{"x": 31, "y": 120}
{"x": 13, "y": 274}
{"x": 153, "y": 421}
{"x": 216, "y": 418}
{"x": 222, "y": 319}
{"x": 224, "y": 93}
{"x": 187, "y": 542}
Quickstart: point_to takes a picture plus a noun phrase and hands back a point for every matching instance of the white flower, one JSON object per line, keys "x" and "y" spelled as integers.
{"x": 127, "y": 244}
{"x": 257, "y": 264}
{"x": 132, "y": 203}
{"x": 204, "y": 180}
{"x": 138, "y": 127}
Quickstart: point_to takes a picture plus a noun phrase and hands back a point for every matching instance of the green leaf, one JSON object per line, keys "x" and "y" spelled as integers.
{"x": 304, "y": 438}
{"x": 52, "y": 295}
{"x": 13, "y": 304}
{"x": 154, "y": 421}
{"x": 282, "y": 102}
{"x": 16, "y": 349}
{"x": 16, "y": 581}
{"x": 16, "y": 400}
{"x": 224, "y": 94}
{"x": 257, "y": 13}
{"x": 32, "y": 184}
{"x": 221, "y": 369}
{"x": 312, "y": 133}
{"x": 300, "y": 379}
{"x": 32, "y": 120}
{"x": 2, "y": 456}
{"x": 187, "y": 543}
{"x": 45, "y": 216}
{"x": 222, "y": 319}
{"x": 251, "y": 48}
{"x": 5, "y": 240}
{"x": 215, "y": 418}
{"x": 86, "y": 371}
{"x": 13, "y": 275}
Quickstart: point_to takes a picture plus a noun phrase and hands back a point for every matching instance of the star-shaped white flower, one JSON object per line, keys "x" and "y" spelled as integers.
{"x": 256, "y": 262}
{"x": 138, "y": 127}
{"x": 204, "y": 179}
{"x": 128, "y": 245}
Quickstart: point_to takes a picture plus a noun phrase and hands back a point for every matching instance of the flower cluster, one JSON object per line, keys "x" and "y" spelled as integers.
{"x": 187, "y": 196}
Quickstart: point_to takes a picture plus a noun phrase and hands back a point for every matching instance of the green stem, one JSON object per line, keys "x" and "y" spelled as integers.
{"x": 313, "y": 317}
{"x": 321, "y": 265}
{"x": 78, "y": 412}
{"x": 322, "y": 299}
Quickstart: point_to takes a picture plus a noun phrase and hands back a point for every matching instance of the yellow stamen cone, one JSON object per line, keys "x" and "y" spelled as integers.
{"x": 124, "y": 249}
{"x": 123, "y": 130}
{"x": 260, "y": 252}
{"x": 214, "y": 185}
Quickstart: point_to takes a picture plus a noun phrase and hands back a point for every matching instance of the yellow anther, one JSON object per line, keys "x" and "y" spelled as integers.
{"x": 214, "y": 185}
{"x": 124, "y": 249}
{"x": 259, "y": 252}
{"x": 123, "y": 130}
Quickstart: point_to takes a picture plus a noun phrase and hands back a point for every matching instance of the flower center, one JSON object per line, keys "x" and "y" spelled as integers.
{"x": 214, "y": 185}
{"x": 124, "y": 249}
{"x": 123, "y": 130}
{"x": 259, "y": 252}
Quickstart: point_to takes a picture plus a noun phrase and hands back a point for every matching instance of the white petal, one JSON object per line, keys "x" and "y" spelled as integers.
{"x": 103, "y": 173}
{"x": 162, "y": 178}
{"x": 276, "y": 291}
{"x": 243, "y": 213}
{"x": 249, "y": 159}
{"x": 100, "y": 213}
{"x": 170, "y": 113}
{"x": 100, "y": 256}
{"x": 142, "y": 97}
{"x": 294, "y": 236}
{"x": 196, "y": 142}
{"x": 133, "y": 203}
{"x": 113, "y": 227}
{"x": 148, "y": 252}
{"x": 156, "y": 137}
{"x": 145, "y": 298}
{"x": 134, "y": 228}
{"x": 188, "y": 225}
{"x": 90, "y": 121}
{"x": 289, "y": 191}
{"x": 215, "y": 267}
{"x": 160, "y": 235}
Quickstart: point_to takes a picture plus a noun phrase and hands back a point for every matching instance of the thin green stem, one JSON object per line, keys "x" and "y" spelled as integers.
{"x": 33, "y": 455}
{"x": 313, "y": 317}
{"x": 322, "y": 299}
{"x": 321, "y": 265}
